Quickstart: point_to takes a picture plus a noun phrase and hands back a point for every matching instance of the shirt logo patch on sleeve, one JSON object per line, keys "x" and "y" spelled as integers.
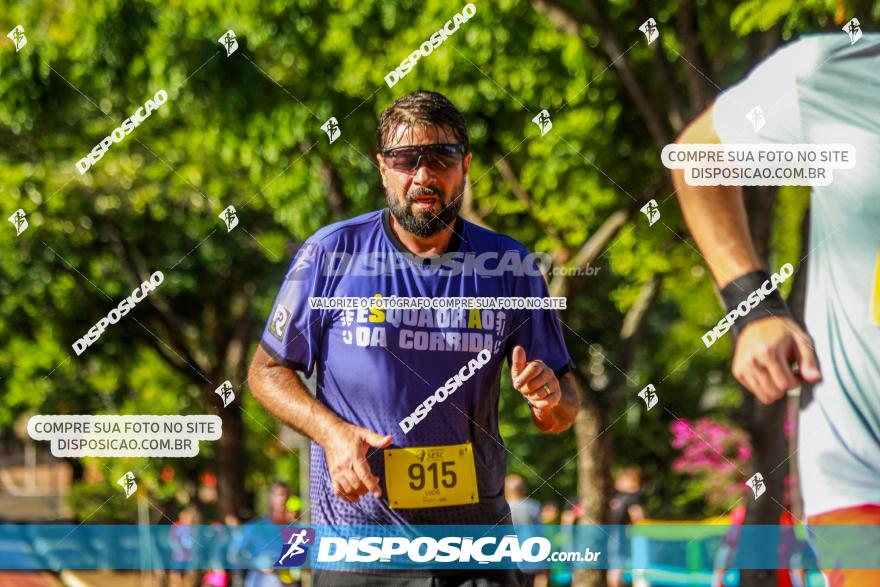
{"x": 279, "y": 322}
{"x": 302, "y": 267}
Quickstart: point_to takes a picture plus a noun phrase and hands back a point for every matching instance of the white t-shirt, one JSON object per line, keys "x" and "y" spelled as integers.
{"x": 822, "y": 89}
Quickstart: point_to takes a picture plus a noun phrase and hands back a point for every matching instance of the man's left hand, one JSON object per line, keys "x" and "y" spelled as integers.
{"x": 535, "y": 380}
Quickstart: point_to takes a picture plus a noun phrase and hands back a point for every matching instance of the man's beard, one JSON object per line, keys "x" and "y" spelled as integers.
{"x": 424, "y": 224}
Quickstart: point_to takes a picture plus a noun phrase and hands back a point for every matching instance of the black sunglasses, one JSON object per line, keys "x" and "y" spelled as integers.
{"x": 438, "y": 156}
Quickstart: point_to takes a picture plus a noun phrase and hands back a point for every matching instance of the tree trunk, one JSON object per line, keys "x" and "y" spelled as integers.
{"x": 594, "y": 468}
{"x": 764, "y": 424}
{"x": 593, "y": 434}
{"x": 231, "y": 496}
{"x": 769, "y": 451}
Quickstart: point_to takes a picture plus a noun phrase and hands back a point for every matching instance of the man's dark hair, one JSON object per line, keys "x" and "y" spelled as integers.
{"x": 422, "y": 108}
{"x": 280, "y": 483}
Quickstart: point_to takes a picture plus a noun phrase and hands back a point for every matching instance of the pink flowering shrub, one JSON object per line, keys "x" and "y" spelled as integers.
{"x": 715, "y": 455}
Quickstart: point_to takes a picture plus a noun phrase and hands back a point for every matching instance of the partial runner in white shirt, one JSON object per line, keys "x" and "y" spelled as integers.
{"x": 821, "y": 89}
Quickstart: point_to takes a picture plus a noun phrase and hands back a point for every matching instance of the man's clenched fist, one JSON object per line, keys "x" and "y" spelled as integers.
{"x": 765, "y": 351}
{"x": 535, "y": 380}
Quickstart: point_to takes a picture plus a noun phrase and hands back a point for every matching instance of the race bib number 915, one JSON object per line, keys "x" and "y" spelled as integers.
{"x": 430, "y": 476}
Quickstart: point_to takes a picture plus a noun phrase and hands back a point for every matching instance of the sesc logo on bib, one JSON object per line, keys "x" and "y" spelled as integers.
{"x": 295, "y": 549}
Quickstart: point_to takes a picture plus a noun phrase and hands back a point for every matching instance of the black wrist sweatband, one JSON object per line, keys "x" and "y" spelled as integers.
{"x": 741, "y": 294}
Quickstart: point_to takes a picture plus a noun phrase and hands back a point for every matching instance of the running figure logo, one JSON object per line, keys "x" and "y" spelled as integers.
{"x": 854, "y": 29}
{"x": 305, "y": 259}
{"x": 331, "y": 127}
{"x": 756, "y": 484}
{"x": 20, "y": 40}
{"x": 652, "y": 211}
{"x": 295, "y": 549}
{"x": 649, "y": 395}
{"x": 229, "y": 42}
{"x": 756, "y": 117}
{"x": 19, "y": 221}
{"x": 542, "y": 119}
{"x": 128, "y": 484}
{"x": 649, "y": 27}
{"x": 225, "y": 392}
{"x": 230, "y": 217}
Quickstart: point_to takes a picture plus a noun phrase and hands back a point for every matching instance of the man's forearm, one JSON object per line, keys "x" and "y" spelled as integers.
{"x": 281, "y": 391}
{"x": 715, "y": 215}
{"x": 561, "y": 417}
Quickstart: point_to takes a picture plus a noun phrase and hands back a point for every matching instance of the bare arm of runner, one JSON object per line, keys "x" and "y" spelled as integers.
{"x": 554, "y": 400}
{"x": 281, "y": 391}
{"x": 717, "y": 219}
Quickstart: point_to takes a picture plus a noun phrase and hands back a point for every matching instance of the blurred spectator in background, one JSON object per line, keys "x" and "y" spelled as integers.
{"x": 276, "y": 502}
{"x": 626, "y": 509}
{"x": 524, "y": 511}
{"x": 626, "y": 505}
{"x": 727, "y": 548}
{"x": 236, "y": 576}
{"x": 219, "y": 540}
{"x": 561, "y": 575}
{"x": 554, "y": 533}
{"x": 253, "y": 543}
{"x": 182, "y": 541}
{"x": 790, "y": 572}
{"x": 293, "y": 507}
{"x": 550, "y": 513}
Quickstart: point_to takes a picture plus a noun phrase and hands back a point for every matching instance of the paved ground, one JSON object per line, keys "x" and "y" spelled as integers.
{"x": 28, "y": 579}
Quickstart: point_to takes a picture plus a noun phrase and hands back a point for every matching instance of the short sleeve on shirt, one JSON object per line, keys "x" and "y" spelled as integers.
{"x": 292, "y": 335}
{"x": 539, "y": 332}
{"x": 772, "y": 86}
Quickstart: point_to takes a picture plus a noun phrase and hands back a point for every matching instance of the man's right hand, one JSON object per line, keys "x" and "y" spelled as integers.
{"x": 765, "y": 351}
{"x": 346, "y": 450}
